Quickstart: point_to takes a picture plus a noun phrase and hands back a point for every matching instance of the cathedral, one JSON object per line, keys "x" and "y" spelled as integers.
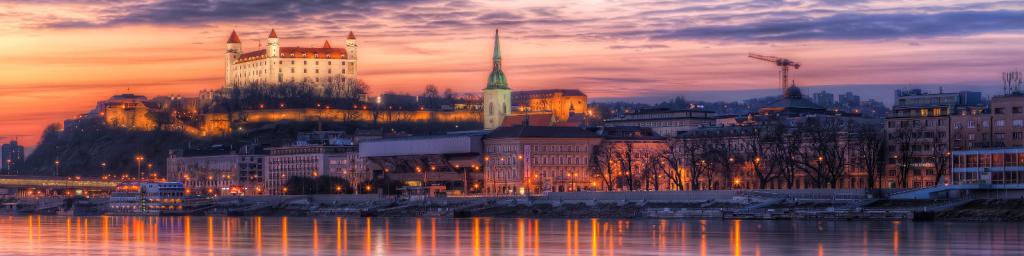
{"x": 497, "y": 95}
{"x": 275, "y": 64}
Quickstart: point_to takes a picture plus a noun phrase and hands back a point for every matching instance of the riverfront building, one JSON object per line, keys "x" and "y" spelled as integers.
{"x": 921, "y": 128}
{"x": 217, "y": 172}
{"x": 528, "y": 159}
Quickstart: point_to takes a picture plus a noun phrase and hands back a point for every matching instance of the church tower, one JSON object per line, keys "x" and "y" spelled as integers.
{"x": 274, "y": 56}
{"x": 234, "y": 50}
{"x": 497, "y": 96}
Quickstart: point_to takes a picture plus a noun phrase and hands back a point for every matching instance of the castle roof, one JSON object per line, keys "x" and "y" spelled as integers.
{"x": 297, "y": 52}
{"x": 233, "y": 39}
{"x": 273, "y": 34}
{"x": 327, "y": 44}
{"x": 351, "y": 35}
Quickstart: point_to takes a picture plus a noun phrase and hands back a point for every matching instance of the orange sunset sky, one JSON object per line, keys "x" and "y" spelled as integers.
{"x": 61, "y": 56}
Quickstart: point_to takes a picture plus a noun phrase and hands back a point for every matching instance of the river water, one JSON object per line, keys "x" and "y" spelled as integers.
{"x": 202, "y": 235}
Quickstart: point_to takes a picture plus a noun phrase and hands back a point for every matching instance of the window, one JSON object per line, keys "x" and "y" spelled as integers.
{"x": 328, "y": 63}
{"x": 970, "y": 124}
{"x": 293, "y": 62}
{"x": 1016, "y": 110}
{"x": 998, "y": 110}
{"x": 304, "y": 71}
{"x": 1018, "y": 123}
{"x": 1000, "y": 123}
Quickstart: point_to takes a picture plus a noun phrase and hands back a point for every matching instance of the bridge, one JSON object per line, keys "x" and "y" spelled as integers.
{"x": 12, "y": 184}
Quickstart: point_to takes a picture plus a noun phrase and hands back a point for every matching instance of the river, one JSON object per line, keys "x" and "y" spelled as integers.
{"x": 202, "y": 235}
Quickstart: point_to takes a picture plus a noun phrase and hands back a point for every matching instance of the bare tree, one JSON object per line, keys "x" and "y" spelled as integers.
{"x": 870, "y": 151}
{"x": 904, "y": 140}
{"x": 823, "y": 153}
{"x": 601, "y": 164}
{"x": 757, "y": 145}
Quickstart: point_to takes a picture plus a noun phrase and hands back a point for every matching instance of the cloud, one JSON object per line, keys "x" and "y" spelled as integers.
{"x": 857, "y": 26}
{"x": 641, "y": 47}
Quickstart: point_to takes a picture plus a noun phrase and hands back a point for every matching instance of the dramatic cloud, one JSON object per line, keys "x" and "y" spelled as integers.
{"x": 857, "y": 26}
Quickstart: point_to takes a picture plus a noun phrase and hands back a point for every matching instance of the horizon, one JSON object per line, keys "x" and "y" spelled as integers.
{"x": 649, "y": 51}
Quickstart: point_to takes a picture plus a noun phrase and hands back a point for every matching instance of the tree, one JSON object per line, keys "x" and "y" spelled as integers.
{"x": 904, "y": 140}
{"x": 601, "y": 165}
{"x": 757, "y": 146}
{"x": 870, "y": 151}
{"x": 823, "y": 154}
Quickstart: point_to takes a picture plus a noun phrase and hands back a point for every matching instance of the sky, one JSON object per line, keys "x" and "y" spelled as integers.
{"x": 62, "y": 56}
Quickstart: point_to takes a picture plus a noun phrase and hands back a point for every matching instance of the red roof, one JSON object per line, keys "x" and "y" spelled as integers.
{"x": 351, "y": 35}
{"x": 233, "y": 39}
{"x": 296, "y": 52}
{"x": 327, "y": 44}
{"x": 535, "y": 119}
{"x": 273, "y": 34}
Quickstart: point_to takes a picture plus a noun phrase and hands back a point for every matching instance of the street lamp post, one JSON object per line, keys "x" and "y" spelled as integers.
{"x": 56, "y": 168}
{"x": 138, "y": 166}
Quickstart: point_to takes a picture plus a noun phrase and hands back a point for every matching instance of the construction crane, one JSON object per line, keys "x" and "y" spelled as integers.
{"x": 783, "y": 65}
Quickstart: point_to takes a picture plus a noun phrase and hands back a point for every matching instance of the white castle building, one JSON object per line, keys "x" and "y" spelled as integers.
{"x": 276, "y": 64}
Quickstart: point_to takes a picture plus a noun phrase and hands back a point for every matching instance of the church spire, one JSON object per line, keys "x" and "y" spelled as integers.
{"x": 497, "y": 78}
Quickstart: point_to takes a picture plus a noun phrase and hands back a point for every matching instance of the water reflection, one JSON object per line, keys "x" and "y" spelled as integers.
{"x": 113, "y": 235}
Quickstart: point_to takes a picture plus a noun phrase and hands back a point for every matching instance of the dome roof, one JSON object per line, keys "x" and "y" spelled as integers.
{"x": 792, "y": 92}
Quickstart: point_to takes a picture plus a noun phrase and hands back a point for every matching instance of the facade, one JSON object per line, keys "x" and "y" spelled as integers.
{"x": 452, "y": 161}
{"x": 664, "y": 121}
{"x": 276, "y": 64}
{"x": 643, "y": 148}
{"x": 497, "y": 96}
{"x": 311, "y": 161}
{"x": 994, "y": 166}
{"x": 11, "y": 156}
{"x": 562, "y": 103}
{"x": 923, "y": 128}
{"x": 530, "y": 159}
{"x": 219, "y": 173}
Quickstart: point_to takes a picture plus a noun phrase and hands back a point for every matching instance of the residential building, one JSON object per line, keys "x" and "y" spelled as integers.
{"x": 285, "y": 162}
{"x": 11, "y": 156}
{"x": 923, "y": 128}
{"x": 218, "y": 171}
{"x": 643, "y": 149}
{"x": 535, "y": 159}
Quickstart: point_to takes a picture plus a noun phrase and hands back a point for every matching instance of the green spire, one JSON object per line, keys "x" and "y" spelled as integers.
{"x": 497, "y": 78}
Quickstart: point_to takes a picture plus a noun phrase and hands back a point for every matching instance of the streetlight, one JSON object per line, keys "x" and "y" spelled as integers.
{"x": 56, "y": 169}
{"x": 138, "y": 165}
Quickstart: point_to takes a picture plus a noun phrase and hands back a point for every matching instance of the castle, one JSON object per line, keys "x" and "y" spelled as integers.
{"x": 275, "y": 64}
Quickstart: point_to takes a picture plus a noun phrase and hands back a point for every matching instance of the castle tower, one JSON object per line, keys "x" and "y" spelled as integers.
{"x": 273, "y": 45}
{"x": 351, "y": 50}
{"x": 234, "y": 50}
{"x": 497, "y": 96}
{"x": 274, "y": 54}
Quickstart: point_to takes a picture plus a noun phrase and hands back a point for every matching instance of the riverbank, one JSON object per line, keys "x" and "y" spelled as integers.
{"x": 705, "y": 205}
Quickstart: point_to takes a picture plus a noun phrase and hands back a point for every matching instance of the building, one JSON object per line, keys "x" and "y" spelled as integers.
{"x": 643, "y": 149}
{"x": 664, "y": 121}
{"x": 535, "y": 159}
{"x": 218, "y": 172}
{"x": 11, "y": 156}
{"x": 497, "y": 97}
{"x": 285, "y": 162}
{"x": 276, "y": 64}
{"x": 920, "y": 130}
{"x": 792, "y": 103}
{"x": 562, "y": 103}
{"x": 824, "y": 99}
{"x": 453, "y": 161}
